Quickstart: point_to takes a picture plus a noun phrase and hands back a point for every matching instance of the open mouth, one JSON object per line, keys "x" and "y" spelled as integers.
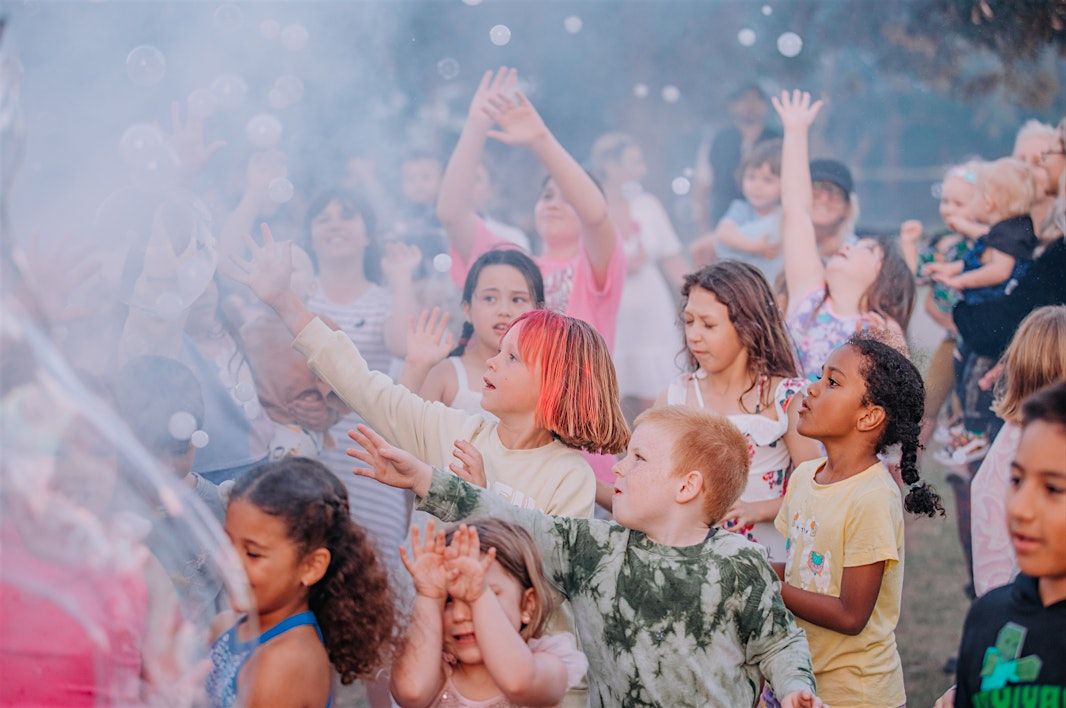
{"x": 465, "y": 640}
{"x": 1024, "y": 544}
{"x": 486, "y": 385}
{"x": 500, "y": 329}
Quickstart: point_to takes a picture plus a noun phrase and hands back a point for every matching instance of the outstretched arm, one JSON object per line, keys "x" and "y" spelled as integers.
{"x": 804, "y": 271}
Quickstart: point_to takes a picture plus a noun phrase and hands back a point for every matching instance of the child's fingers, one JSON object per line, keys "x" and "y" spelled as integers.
{"x": 268, "y": 235}
{"x": 473, "y": 543}
{"x": 487, "y": 559}
{"x": 438, "y": 542}
{"x": 416, "y": 536}
{"x": 406, "y": 561}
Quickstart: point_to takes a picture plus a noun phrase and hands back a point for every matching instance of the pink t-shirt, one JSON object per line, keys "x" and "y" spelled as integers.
{"x": 569, "y": 285}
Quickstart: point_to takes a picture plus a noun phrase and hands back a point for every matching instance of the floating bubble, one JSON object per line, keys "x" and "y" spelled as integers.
{"x": 640, "y": 90}
{"x": 181, "y": 425}
{"x": 294, "y": 37}
{"x": 767, "y": 10}
{"x": 573, "y": 24}
{"x": 671, "y": 93}
{"x": 169, "y": 306}
{"x": 146, "y": 65}
{"x": 500, "y": 35}
{"x": 263, "y": 131}
{"x": 280, "y": 190}
{"x": 680, "y": 186}
{"x": 270, "y": 29}
{"x": 202, "y": 103}
{"x": 448, "y": 68}
{"x": 746, "y": 37}
{"x": 937, "y": 190}
{"x": 789, "y": 44}
{"x": 140, "y": 140}
{"x": 442, "y": 263}
{"x": 471, "y": 3}
{"x": 244, "y": 392}
{"x": 688, "y": 172}
{"x": 291, "y": 88}
{"x": 252, "y": 409}
{"x": 228, "y": 17}
{"x": 231, "y": 90}
{"x": 199, "y": 439}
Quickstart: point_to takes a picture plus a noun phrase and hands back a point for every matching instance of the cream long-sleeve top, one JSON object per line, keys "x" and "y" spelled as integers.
{"x": 553, "y": 478}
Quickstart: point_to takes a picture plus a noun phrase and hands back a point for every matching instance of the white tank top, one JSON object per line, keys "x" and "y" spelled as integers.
{"x": 465, "y": 399}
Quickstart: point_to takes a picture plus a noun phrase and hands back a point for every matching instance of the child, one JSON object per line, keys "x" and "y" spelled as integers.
{"x": 502, "y": 284}
{"x": 1011, "y": 650}
{"x": 741, "y": 366}
{"x": 321, "y": 595}
{"x": 1035, "y": 358}
{"x": 552, "y": 387}
{"x": 668, "y": 609}
{"x": 865, "y": 284}
{"x": 484, "y": 601}
{"x": 843, "y": 520}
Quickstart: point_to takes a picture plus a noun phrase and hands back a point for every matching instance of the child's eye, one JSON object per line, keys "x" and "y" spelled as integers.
{"x": 639, "y": 457}
{"x": 1053, "y": 489}
{"x": 1015, "y": 480}
{"x": 253, "y": 554}
{"x": 512, "y": 357}
{"x": 490, "y": 298}
{"x": 521, "y": 300}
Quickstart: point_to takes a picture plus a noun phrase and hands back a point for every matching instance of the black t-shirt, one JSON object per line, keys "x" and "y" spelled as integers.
{"x": 1013, "y": 236}
{"x": 1013, "y": 650}
{"x": 725, "y": 158}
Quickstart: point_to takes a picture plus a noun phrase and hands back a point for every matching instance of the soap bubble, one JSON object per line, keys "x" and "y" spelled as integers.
{"x": 263, "y": 131}
{"x": 789, "y": 44}
{"x": 270, "y": 29}
{"x": 280, "y": 190}
{"x": 767, "y": 10}
{"x": 294, "y": 37}
{"x": 448, "y": 68}
{"x": 252, "y": 409}
{"x": 140, "y": 140}
{"x": 291, "y": 88}
{"x": 169, "y": 306}
{"x": 680, "y": 186}
{"x": 231, "y": 90}
{"x": 442, "y": 263}
{"x": 640, "y": 90}
{"x": 228, "y": 17}
{"x": 500, "y": 35}
{"x": 244, "y": 392}
{"x": 688, "y": 172}
{"x": 181, "y": 425}
{"x": 202, "y": 103}
{"x": 746, "y": 37}
{"x": 146, "y": 65}
{"x": 573, "y": 24}
{"x": 472, "y": 2}
{"x": 937, "y": 190}
{"x": 671, "y": 93}
{"x": 200, "y": 439}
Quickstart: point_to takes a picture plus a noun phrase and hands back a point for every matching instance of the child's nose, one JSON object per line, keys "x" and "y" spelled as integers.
{"x": 460, "y": 611}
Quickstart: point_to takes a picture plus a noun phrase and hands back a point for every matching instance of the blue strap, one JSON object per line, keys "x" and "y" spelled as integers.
{"x": 300, "y": 619}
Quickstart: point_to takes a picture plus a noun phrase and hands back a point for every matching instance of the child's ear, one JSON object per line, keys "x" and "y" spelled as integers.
{"x": 871, "y": 419}
{"x": 528, "y": 606}
{"x": 691, "y": 484}
{"x": 314, "y": 566}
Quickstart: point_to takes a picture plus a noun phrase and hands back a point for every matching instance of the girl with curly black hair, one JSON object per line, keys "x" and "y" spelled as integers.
{"x": 843, "y": 520}
{"x": 321, "y": 595}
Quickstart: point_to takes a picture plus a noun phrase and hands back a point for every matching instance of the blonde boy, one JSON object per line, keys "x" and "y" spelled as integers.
{"x": 668, "y": 609}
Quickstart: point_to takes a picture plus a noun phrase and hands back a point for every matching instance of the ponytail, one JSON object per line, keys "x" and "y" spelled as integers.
{"x": 464, "y": 339}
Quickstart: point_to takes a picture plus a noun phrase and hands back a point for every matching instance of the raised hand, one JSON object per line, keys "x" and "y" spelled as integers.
{"x": 492, "y": 89}
{"x": 471, "y": 466}
{"x": 467, "y": 565}
{"x": 400, "y": 261}
{"x": 428, "y": 340}
{"x": 795, "y": 109}
{"x": 187, "y": 139}
{"x": 910, "y": 232}
{"x": 387, "y": 464}
{"x": 519, "y": 121}
{"x": 268, "y": 273}
{"x": 427, "y": 566}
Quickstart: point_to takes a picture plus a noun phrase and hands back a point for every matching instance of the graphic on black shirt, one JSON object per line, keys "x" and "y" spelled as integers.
{"x": 1007, "y": 676}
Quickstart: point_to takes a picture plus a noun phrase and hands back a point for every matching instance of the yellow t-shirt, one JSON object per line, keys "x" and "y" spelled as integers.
{"x": 829, "y": 527}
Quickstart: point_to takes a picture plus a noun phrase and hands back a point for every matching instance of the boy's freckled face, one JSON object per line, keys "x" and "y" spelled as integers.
{"x": 643, "y": 492}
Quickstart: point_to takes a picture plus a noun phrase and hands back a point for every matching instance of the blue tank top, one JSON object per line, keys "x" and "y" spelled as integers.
{"x": 229, "y": 655}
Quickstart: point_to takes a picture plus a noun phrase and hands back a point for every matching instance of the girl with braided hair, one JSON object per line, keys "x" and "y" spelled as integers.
{"x": 843, "y": 521}
{"x": 322, "y": 597}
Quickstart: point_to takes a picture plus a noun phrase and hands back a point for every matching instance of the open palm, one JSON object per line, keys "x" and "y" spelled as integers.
{"x": 387, "y": 464}
{"x": 519, "y": 122}
{"x": 426, "y": 563}
{"x": 467, "y": 565}
{"x": 796, "y": 109}
{"x": 268, "y": 271}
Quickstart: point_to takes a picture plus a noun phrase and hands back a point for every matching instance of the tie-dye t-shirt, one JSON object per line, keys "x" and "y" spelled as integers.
{"x": 829, "y": 527}
{"x": 661, "y": 626}
{"x": 816, "y": 331}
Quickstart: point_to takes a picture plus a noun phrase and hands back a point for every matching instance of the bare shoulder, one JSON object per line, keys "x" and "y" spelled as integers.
{"x": 292, "y": 669}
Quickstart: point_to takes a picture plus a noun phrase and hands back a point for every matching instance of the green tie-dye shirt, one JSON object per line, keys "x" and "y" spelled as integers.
{"x": 665, "y": 626}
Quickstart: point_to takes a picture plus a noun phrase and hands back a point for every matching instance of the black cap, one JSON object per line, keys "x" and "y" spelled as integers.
{"x": 834, "y": 172}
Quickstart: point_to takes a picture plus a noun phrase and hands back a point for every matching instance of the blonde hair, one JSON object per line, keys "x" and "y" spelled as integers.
{"x": 518, "y": 554}
{"x": 1009, "y": 184}
{"x": 710, "y": 444}
{"x": 1035, "y": 358}
{"x": 1033, "y": 128}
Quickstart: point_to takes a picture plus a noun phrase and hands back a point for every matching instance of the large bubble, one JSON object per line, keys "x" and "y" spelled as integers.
{"x": 671, "y": 93}
{"x": 229, "y": 17}
{"x": 448, "y": 68}
{"x": 294, "y": 37}
{"x": 746, "y": 37}
{"x": 500, "y": 35}
{"x": 264, "y": 131}
{"x": 230, "y": 90}
{"x": 789, "y": 44}
{"x": 146, "y": 65}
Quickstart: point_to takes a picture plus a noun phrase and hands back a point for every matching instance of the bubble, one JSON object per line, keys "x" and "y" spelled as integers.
{"x": 688, "y": 172}
{"x": 640, "y": 90}
{"x": 680, "y": 186}
{"x": 291, "y": 88}
{"x": 294, "y": 37}
{"x": 139, "y": 140}
{"x": 181, "y": 425}
{"x": 500, "y": 35}
{"x": 746, "y": 37}
{"x": 442, "y": 263}
{"x": 146, "y": 65}
{"x": 168, "y": 306}
{"x": 573, "y": 24}
{"x": 202, "y": 103}
{"x": 280, "y": 190}
{"x": 263, "y": 131}
{"x": 194, "y": 274}
{"x": 937, "y": 190}
{"x": 471, "y": 3}
{"x": 228, "y": 17}
{"x": 671, "y": 93}
{"x": 269, "y": 29}
{"x": 789, "y": 44}
{"x": 244, "y": 392}
{"x": 448, "y": 68}
{"x": 230, "y": 90}
{"x": 767, "y": 10}
{"x": 199, "y": 439}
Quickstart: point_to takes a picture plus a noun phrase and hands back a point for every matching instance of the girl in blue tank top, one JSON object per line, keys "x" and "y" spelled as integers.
{"x": 321, "y": 595}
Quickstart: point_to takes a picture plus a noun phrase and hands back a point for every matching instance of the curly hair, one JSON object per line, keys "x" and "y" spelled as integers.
{"x": 894, "y": 384}
{"x": 754, "y": 314}
{"x": 352, "y": 602}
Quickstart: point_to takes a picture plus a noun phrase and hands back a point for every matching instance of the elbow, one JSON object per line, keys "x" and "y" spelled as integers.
{"x": 517, "y": 684}
{"x": 853, "y": 625}
{"x": 408, "y": 695}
